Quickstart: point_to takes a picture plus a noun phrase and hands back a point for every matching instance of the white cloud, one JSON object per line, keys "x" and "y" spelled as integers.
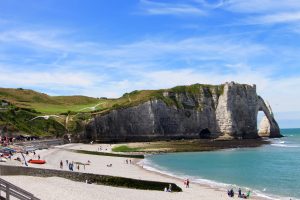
{"x": 261, "y": 6}
{"x": 158, "y": 8}
{"x": 46, "y": 78}
{"x": 277, "y": 18}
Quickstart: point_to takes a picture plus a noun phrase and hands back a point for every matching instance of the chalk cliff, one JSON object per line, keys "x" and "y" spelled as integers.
{"x": 198, "y": 111}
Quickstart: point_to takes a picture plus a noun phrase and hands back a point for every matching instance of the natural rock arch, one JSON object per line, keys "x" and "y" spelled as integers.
{"x": 268, "y": 126}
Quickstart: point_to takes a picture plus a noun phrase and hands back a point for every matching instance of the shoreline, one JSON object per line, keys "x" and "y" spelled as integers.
{"x": 134, "y": 170}
{"x": 216, "y": 186}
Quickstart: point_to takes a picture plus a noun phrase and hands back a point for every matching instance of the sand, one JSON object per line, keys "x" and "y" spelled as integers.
{"x": 59, "y": 188}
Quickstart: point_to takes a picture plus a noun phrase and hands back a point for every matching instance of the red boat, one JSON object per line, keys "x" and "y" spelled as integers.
{"x": 37, "y": 161}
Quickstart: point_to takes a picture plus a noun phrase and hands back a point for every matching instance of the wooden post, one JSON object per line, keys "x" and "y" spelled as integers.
{"x": 7, "y": 192}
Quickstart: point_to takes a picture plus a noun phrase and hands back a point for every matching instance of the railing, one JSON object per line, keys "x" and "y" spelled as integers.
{"x": 12, "y": 190}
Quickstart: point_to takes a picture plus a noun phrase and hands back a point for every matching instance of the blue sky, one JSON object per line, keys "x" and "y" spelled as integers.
{"x": 109, "y": 47}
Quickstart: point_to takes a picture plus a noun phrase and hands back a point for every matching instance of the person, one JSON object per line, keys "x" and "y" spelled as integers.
{"x": 184, "y": 182}
{"x": 126, "y": 161}
{"x": 61, "y": 164}
{"x": 240, "y": 193}
{"x": 78, "y": 167}
{"x": 39, "y": 156}
{"x": 187, "y": 183}
{"x": 248, "y": 194}
{"x": 170, "y": 188}
{"x": 230, "y": 193}
{"x": 166, "y": 190}
{"x": 130, "y": 161}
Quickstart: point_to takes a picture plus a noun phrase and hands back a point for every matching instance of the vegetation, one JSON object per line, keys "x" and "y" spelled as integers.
{"x": 190, "y": 145}
{"x": 109, "y": 154}
{"x": 19, "y": 120}
{"x": 76, "y": 110}
{"x": 125, "y": 148}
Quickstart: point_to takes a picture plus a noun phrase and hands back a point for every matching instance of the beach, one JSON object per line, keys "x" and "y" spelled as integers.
{"x": 56, "y": 188}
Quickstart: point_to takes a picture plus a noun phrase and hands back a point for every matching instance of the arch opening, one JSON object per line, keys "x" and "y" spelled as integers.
{"x": 263, "y": 124}
{"x": 205, "y": 134}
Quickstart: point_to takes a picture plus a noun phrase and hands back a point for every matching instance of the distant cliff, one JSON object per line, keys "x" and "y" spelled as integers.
{"x": 197, "y": 111}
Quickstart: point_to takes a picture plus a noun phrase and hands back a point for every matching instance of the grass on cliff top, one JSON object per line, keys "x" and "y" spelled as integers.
{"x": 44, "y": 103}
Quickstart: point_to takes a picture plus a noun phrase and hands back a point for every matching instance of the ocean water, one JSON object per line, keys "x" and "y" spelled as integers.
{"x": 271, "y": 170}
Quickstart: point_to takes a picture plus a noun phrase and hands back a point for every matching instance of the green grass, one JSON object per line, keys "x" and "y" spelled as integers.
{"x": 125, "y": 148}
{"x": 18, "y": 120}
{"x": 44, "y": 103}
{"x": 109, "y": 154}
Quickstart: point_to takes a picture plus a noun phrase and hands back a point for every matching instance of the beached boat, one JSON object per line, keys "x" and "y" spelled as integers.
{"x": 37, "y": 161}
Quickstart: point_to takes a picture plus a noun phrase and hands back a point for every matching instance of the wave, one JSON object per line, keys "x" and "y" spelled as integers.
{"x": 285, "y": 145}
{"x": 150, "y": 166}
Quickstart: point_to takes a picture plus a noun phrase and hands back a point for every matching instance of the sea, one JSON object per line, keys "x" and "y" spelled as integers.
{"x": 270, "y": 171}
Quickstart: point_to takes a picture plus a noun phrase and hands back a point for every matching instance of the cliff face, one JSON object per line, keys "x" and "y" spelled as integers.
{"x": 205, "y": 112}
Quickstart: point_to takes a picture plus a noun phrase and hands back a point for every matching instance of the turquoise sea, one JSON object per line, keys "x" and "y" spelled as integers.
{"x": 271, "y": 170}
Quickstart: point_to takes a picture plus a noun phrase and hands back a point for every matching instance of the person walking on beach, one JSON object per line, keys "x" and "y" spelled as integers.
{"x": 61, "y": 164}
{"x": 39, "y": 156}
{"x": 187, "y": 183}
{"x": 67, "y": 162}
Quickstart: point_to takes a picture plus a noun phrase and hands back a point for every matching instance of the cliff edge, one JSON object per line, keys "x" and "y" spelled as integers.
{"x": 197, "y": 111}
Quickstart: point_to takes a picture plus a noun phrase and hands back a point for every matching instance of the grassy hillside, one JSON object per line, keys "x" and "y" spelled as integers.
{"x": 44, "y": 103}
{"x": 74, "y": 111}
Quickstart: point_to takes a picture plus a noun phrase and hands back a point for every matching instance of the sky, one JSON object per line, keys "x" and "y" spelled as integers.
{"x": 104, "y": 48}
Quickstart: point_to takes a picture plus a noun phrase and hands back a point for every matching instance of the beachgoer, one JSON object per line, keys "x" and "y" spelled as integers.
{"x": 130, "y": 161}
{"x": 39, "y": 156}
{"x": 187, "y": 183}
{"x": 230, "y": 193}
{"x": 61, "y": 164}
{"x": 67, "y": 162}
{"x": 240, "y": 193}
{"x": 248, "y": 194}
{"x": 184, "y": 182}
{"x": 166, "y": 189}
{"x": 170, "y": 188}
{"x": 126, "y": 161}
{"x": 78, "y": 167}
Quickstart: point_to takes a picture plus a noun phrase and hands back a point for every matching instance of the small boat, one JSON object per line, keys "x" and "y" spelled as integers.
{"x": 37, "y": 161}
{"x": 3, "y": 159}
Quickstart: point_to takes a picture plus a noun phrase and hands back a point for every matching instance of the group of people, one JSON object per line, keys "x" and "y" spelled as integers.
{"x": 168, "y": 189}
{"x": 240, "y": 194}
{"x": 71, "y": 165}
{"x": 128, "y": 161}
